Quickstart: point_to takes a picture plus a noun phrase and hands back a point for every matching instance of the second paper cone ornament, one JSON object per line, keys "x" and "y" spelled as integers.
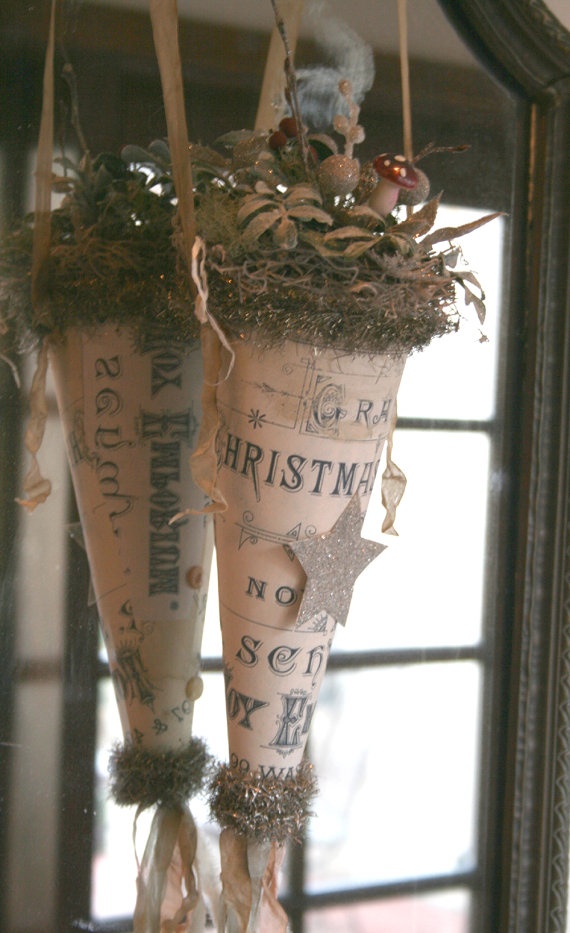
{"x": 299, "y": 444}
{"x": 130, "y": 411}
{"x": 130, "y": 418}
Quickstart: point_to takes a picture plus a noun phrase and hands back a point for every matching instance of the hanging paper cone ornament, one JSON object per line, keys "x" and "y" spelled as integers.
{"x": 300, "y": 437}
{"x": 130, "y": 411}
{"x": 301, "y": 431}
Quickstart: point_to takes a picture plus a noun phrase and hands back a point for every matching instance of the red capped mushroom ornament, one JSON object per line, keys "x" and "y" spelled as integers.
{"x": 395, "y": 173}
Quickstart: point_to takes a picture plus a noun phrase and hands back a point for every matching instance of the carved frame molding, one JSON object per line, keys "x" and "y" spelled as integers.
{"x": 527, "y": 49}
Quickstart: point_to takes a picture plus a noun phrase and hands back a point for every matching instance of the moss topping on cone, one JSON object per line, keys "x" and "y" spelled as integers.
{"x": 112, "y": 257}
{"x": 303, "y": 243}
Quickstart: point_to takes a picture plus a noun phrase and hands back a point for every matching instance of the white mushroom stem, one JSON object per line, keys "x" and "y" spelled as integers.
{"x": 384, "y": 197}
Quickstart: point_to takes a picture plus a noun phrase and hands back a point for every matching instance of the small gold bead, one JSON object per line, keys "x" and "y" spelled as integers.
{"x": 195, "y": 688}
{"x": 194, "y": 577}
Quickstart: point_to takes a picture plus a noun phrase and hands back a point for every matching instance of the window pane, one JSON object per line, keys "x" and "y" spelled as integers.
{"x": 455, "y": 376}
{"x": 212, "y": 637}
{"x": 426, "y": 588}
{"x": 40, "y": 559}
{"x": 32, "y": 831}
{"x": 447, "y": 912}
{"x": 395, "y": 750}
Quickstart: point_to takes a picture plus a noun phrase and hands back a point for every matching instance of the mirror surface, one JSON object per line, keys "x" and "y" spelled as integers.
{"x": 404, "y": 738}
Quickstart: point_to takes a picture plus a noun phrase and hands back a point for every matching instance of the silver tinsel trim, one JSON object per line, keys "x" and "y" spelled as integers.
{"x": 263, "y": 808}
{"x": 169, "y": 777}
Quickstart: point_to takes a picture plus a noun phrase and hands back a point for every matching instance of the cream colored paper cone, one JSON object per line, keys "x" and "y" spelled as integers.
{"x": 130, "y": 416}
{"x": 301, "y": 434}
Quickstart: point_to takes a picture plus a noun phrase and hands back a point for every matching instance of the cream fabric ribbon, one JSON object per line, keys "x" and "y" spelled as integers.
{"x": 166, "y": 886}
{"x": 164, "y": 19}
{"x": 213, "y": 341}
{"x": 393, "y": 483}
{"x": 250, "y": 877}
{"x": 36, "y": 487}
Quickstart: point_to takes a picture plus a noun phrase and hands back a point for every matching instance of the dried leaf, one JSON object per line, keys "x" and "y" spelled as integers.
{"x": 420, "y": 221}
{"x": 210, "y": 157}
{"x": 253, "y": 205}
{"x": 231, "y": 139}
{"x": 468, "y": 276}
{"x": 286, "y": 234}
{"x": 472, "y": 299}
{"x": 357, "y": 249}
{"x": 260, "y": 224}
{"x": 307, "y": 212}
{"x": 365, "y": 214}
{"x": 303, "y": 193}
{"x": 247, "y": 150}
{"x": 347, "y": 233}
{"x": 261, "y": 187}
{"x": 452, "y": 233}
{"x": 160, "y": 150}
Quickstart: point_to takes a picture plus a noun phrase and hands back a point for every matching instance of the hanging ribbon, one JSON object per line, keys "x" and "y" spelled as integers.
{"x": 164, "y": 18}
{"x": 164, "y": 872}
{"x": 203, "y": 461}
{"x": 393, "y": 479}
{"x": 42, "y": 215}
{"x": 393, "y": 483}
{"x": 405, "y": 79}
{"x": 36, "y": 487}
{"x": 198, "y": 270}
{"x": 250, "y": 876}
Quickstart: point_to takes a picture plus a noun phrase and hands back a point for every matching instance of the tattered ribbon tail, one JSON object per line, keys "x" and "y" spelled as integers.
{"x": 393, "y": 484}
{"x": 166, "y": 886}
{"x": 204, "y": 461}
{"x": 36, "y": 487}
{"x": 250, "y": 875}
{"x": 264, "y": 861}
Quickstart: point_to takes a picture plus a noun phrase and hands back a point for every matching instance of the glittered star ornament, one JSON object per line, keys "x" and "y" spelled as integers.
{"x": 332, "y": 562}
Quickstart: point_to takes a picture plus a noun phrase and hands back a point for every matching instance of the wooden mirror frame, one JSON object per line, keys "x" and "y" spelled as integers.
{"x": 527, "y": 50}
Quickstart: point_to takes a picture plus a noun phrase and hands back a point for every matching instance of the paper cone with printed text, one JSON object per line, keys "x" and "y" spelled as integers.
{"x": 130, "y": 411}
{"x": 130, "y": 418}
{"x": 299, "y": 441}
{"x": 300, "y": 438}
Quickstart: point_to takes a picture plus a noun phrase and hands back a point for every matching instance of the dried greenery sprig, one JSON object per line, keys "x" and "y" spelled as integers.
{"x": 111, "y": 258}
{"x": 293, "y": 254}
{"x": 300, "y": 242}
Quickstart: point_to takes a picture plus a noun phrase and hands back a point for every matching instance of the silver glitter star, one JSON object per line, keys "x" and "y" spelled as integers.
{"x": 332, "y": 562}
